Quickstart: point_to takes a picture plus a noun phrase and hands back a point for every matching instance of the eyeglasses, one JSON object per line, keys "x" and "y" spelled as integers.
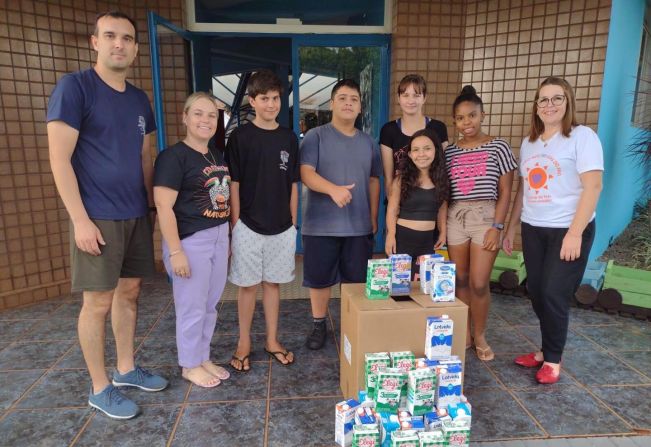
{"x": 554, "y": 100}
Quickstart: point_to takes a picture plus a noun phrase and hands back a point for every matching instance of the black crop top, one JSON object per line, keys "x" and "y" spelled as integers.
{"x": 421, "y": 204}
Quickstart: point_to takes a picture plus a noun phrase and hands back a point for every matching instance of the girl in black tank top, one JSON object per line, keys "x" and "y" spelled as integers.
{"x": 418, "y": 200}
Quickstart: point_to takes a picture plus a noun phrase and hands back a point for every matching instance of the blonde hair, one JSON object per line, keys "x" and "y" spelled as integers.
{"x": 195, "y": 97}
{"x": 569, "y": 119}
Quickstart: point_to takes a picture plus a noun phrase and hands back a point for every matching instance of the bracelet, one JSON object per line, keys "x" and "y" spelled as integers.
{"x": 176, "y": 252}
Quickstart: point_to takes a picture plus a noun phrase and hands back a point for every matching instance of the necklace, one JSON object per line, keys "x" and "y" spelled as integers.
{"x": 213, "y": 162}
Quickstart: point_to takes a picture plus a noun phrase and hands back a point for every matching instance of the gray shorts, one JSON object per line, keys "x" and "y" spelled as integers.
{"x": 128, "y": 253}
{"x": 260, "y": 257}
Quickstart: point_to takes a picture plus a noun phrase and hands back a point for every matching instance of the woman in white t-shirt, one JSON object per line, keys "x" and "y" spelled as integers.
{"x": 561, "y": 166}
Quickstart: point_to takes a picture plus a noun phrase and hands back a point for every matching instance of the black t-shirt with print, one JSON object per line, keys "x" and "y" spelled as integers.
{"x": 204, "y": 188}
{"x": 265, "y": 163}
{"x": 391, "y": 136}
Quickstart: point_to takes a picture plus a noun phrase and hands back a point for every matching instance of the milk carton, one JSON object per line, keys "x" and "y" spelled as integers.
{"x": 425, "y": 271}
{"x": 432, "y": 421}
{"x": 378, "y": 279}
{"x": 457, "y": 434}
{"x": 432, "y": 439}
{"x": 421, "y": 391}
{"x": 365, "y": 416}
{"x": 443, "y": 281}
{"x": 403, "y": 360}
{"x": 404, "y": 438}
{"x": 438, "y": 337}
{"x": 448, "y": 387}
{"x": 460, "y": 411}
{"x": 366, "y": 436}
{"x": 389, "y": 389}
{"x": 374, "y": 362}
{"x": 400, "y": 274}
{"x": 344, "y": 421}
{"x": 389, "y": 424}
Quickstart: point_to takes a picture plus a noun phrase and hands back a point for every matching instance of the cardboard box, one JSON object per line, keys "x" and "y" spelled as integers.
{"x": 389, "y": 325}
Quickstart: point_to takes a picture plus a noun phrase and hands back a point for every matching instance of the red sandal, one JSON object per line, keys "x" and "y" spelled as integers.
{"x": 528, "y": 360}
{"x": 546, "y": 376}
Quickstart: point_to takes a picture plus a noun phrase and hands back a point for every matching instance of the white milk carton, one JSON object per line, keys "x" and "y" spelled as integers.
{"x": 457, "y": 433}
{"x": 432, "y": 438}
{"x": 448, "y": 386}
{"x": 443, "y": 282}
{"x": 344, "y": 421}
{"x": 425, "y": 271}
{"x": 400, "y": 274}
{"x": 438, "y": 337}
{"x": 366, "y": 435}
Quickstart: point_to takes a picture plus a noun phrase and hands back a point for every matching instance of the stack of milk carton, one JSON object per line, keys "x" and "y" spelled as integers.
{"x": 408, "y": 401}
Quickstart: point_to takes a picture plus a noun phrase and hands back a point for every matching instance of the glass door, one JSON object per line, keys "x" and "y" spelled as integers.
{"x": 318, "y": 65}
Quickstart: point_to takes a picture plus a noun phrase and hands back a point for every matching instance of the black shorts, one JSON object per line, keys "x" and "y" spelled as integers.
{"x": 415, "y": 243}
{"x": 329, "y": 260}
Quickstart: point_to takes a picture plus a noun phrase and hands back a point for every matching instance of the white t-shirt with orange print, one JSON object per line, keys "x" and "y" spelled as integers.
{"x": 551, "y": 174}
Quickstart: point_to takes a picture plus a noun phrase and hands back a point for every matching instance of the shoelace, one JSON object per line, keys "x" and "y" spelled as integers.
{"x": 114, "y": 395}
{"x": 142, "y": 374}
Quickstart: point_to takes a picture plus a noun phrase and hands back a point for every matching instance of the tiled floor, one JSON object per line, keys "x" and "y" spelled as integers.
{"x": 606, "y": 386}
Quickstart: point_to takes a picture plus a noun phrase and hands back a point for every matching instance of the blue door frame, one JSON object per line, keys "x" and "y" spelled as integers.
{"x": 382, "y": 41}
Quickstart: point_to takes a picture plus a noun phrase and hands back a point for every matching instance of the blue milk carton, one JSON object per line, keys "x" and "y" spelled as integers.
{"x": 425, "y": 273}
{"x": 344, "y": 421}
{"x": 400, "y": 274}
{"x": 438, "y": 337}
{"x": 448, "y": 386}
{"x": 443, "y": 282}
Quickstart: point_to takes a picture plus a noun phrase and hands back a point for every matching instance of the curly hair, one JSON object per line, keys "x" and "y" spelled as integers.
{"x": 409, "y": 173}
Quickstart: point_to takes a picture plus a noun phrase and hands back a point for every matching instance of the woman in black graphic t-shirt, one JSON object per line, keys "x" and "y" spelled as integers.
{"x": 192, "y": 192}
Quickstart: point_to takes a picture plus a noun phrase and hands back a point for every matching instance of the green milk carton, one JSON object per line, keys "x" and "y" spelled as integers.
{"x": 405, "y": 438}
{"x": 405, "y": 361}
{"x": 421, "y": 391}
{"x": 366, "y": 435}
{"x": 388, "y": 390}
{"x": 373, "y": 363}
{"x": 378, "y": 279}
{"x": 434, "y": 438}
{"x": 457, "y": 433}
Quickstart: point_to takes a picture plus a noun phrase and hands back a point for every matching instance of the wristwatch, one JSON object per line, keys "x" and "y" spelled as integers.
{"x": 498, "y": 226}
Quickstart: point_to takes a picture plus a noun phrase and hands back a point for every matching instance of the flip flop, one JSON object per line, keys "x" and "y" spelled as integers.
{"x": 285, "y": 353}
{"x": 485, "y": 354}
{"x": 241, "y": 369}
{"x": 199, "y": 384}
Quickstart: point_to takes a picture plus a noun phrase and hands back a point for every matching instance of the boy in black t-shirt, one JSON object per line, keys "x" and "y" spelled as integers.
{"x": 263, "y": 161}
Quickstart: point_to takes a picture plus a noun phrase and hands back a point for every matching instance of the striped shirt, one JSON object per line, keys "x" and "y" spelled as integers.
{"x": 475, "y": 173}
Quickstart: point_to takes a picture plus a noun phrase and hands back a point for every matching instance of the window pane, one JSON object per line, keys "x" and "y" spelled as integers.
{"x": 309, "y": 12}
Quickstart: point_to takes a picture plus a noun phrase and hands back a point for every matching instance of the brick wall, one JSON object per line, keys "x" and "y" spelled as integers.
{"x": 504, "y": 48}
{"x": 39, "y": 42}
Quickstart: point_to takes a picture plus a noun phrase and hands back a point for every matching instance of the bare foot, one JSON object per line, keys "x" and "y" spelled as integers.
{"x": 200, "y": 377}
{"x": 215, "y": 370}
{"x": 539, "y": 356}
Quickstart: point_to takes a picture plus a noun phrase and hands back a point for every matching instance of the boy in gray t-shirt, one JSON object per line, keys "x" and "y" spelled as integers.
{"x": 340, "y": 166}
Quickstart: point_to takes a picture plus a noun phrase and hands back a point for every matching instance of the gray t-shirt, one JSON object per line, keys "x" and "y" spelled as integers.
{"x": 342, "y": 160}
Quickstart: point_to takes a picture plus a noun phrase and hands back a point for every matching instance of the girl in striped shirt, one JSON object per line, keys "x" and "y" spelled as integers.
{"x": 480, "y": 168}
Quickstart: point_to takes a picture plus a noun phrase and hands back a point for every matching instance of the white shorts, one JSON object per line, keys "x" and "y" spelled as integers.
{"x": 260, "y": 257}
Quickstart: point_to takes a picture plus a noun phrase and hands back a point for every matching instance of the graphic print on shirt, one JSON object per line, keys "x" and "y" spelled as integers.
{"x": 284, "y": 159}
{"x": 540, "y": 169}
{"x": 142, "y": 125}
{"x": 466, "y": 167}
{"x": 213, "y": 194}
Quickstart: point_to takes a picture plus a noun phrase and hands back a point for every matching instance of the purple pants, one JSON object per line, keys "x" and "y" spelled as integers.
{"x": 196, "y": 297}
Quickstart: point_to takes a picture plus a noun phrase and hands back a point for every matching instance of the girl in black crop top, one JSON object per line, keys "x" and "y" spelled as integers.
{"x": 417, "y": 194}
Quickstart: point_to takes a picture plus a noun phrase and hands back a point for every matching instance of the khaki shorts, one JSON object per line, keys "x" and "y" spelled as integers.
{"x": 468, "y": 220}
{"x": 128, "y": 253}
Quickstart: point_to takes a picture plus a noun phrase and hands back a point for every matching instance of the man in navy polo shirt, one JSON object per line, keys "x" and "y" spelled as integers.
{"x": 98, "y": 133}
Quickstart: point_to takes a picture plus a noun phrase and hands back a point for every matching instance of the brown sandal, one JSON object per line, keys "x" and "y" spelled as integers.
{"x": 285, "y": 353}
{"x": 485, "y": 354}
{"x": 241, "y": 368}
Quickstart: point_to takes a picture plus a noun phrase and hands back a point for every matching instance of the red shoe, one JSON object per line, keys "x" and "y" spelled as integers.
{"x": 546, "y": 376}
{"x": 528, "y": 360}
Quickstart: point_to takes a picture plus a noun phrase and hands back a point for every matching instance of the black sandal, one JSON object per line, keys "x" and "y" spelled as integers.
{"x": 241, "y": 369}
{"x": 285, "y": 353}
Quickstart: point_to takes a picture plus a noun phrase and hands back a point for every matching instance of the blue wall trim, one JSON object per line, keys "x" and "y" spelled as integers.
{"x": 623, "y": 175}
